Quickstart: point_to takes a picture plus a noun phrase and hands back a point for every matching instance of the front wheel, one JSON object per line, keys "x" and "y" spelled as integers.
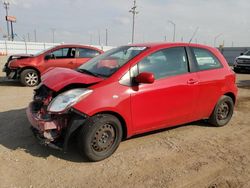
{"x": 99, "y": 137}
{"x": 29, "y": 77}
{"x": 222, "y": 112}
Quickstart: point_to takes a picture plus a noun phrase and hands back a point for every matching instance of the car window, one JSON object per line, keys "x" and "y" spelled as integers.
{"x": 64, "y": 53}
{"x": 205, "y": 59}
{"x": 87, "y": 53}
{"x": 127, "y": 78}
{"x": 111, "y": 61}
{"x": 164, "y": 63}
{"x": 247, "y": 53}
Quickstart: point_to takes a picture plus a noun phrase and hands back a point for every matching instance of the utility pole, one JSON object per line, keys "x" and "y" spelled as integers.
{"x": 174, "y": 25}
{"x": 12, "y": 30}
{"x": 106, "y": 41}
{"x": 35, "y": 35}
{"x": 6, "y": 6}
{"x": 90, "y": 39}
{"x": 216, "y": 37}
{"x": 134, "y": 12}
{"x": 99, "y": 38}
{"x": 28, "y": 37}
{"x": 53, "y": 34}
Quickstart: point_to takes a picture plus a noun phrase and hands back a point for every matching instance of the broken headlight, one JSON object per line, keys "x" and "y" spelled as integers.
{"x": 67, "y": 99}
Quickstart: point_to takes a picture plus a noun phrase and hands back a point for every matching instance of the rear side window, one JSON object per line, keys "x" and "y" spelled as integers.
{"x": 205, "y": 59}
{"x": 64, "y": 53}
{"x": 166, "y": 62}
{"x": 87, "y": 53}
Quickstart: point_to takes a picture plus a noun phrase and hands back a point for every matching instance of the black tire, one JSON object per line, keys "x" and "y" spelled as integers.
{"x": 236, "y": 70}
{"x": 99, "y": 137}
{"x": 222, "y": 112}
{"x": 29, "y": 77}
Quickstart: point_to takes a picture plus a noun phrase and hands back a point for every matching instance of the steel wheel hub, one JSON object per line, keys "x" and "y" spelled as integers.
{"x": 103, "y": 138}
{"x": 223, "y": 111}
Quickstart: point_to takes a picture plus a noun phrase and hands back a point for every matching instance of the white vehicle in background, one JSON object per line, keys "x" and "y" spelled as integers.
{"x": 242, "y": 62}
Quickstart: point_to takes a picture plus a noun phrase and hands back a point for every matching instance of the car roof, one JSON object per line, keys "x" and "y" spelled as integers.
{"x": 77, "y": 46}
{"x": 168, "y": 44}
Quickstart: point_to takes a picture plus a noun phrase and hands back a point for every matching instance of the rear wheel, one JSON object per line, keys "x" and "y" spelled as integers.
{"x": 100, "y": 137}
{"x": 223, "y": 111}
{"x": 29, "y": 77}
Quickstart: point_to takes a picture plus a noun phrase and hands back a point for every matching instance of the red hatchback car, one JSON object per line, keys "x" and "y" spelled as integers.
{"x": 131, "y": 90}
{"x": 28, "y": 68}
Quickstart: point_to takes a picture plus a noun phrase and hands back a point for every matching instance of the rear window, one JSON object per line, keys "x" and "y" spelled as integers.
{"x": 205, "y": 59}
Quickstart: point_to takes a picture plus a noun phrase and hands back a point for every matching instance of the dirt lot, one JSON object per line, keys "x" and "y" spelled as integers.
{"x": 193, "y": 155}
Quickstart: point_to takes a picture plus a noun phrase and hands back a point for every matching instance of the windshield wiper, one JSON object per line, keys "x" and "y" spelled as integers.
{"x": 89, "y": 72}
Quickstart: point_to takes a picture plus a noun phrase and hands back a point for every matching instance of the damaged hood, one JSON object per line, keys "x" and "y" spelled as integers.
{"x": 20, "y": 56}
{"x": 58, "y": 78}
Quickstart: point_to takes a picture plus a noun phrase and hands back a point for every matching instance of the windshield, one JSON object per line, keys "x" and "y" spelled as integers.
{"x": 247, "y": 53}
{"x": 106, "y": 64}
{"x": 41, "y": 52}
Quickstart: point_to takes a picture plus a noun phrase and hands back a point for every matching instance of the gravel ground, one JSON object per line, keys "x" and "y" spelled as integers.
{"x": 192, "y": 155}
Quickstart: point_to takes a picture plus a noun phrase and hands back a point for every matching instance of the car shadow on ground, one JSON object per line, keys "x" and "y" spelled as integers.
{"x": 7, "y": 82}
{"x": 15, "y": 134}
{"x": 245, "y": 84}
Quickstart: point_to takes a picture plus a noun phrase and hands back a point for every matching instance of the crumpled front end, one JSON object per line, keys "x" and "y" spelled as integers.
{"x": 52, "y": 130}
{"x": 48, "y": 128}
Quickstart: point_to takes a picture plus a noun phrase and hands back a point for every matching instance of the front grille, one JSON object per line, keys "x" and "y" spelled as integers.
{"x": 243, "y": 61}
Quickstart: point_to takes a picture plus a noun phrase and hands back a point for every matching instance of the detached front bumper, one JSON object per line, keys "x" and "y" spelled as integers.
{"x": 10, "y": 73}
{"x": 54, "y": 132}
{"x": 44, "y": 129}
{"x": 39, "y": 123}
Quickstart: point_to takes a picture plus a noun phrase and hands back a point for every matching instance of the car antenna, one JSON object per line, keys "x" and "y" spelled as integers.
{"x": 197, "y": 28}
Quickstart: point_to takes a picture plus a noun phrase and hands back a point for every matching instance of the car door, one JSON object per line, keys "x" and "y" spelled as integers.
{"x": 84, "y": 54}
{"x": 170, "y": 100}
{"x": 211, "y": 81}
{"x": 63, "y": 57}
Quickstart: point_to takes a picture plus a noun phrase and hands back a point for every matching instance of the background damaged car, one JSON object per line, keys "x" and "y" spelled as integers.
{"x": 28, "y": 68}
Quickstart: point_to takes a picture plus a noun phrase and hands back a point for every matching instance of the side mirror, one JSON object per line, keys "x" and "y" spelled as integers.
{"x": 241, "y": 53}
{"x": 145, "y": 78}
{"x": 48, "y": 56}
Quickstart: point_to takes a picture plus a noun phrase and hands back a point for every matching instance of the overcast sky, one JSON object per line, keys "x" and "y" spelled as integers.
{"x": 75, "y": 21}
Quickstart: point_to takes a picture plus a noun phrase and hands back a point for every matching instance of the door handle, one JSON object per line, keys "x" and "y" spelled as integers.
{"x": 71, "y": 62}
{"x": 192, "y": 81}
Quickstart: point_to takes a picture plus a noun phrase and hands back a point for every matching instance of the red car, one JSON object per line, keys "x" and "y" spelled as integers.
{"x": 131, "y": 90}
{"x": 28, "y": 68}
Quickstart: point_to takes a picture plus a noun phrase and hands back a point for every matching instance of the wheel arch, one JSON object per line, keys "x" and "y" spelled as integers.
{"x": 121, "y": 119}
{"x": 230, "y": 94}
{"x": 30, "y": 67}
